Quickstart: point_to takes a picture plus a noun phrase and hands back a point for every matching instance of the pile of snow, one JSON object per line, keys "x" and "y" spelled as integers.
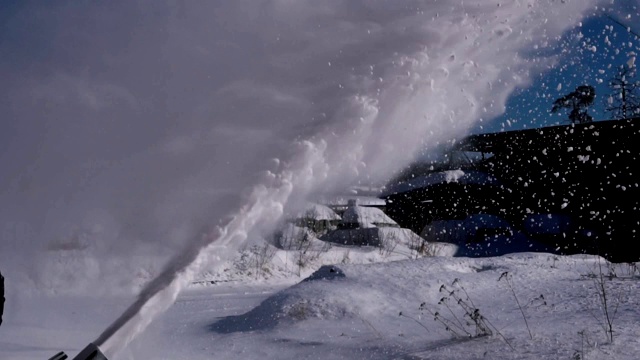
{"x": 362, "y": 200}
{"x": 317, "y": 219}
{"x": 370, "y": 226}
{"x": 354, "y": 311}
{"x": 366, "y": 217}
{"x": 386, "y": 311}
{"x": 318, "y": 212}
{"x": 297, "y": 253}
{"x": 291, "y": 237}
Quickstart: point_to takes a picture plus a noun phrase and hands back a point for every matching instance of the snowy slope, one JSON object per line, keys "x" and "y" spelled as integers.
{"x": 353, "y": 313}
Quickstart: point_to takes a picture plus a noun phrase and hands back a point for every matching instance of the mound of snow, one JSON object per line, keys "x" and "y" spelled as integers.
{"x": 293, "y": 237}
{"x": 347, "y": 200}
{"x": 366, "y": 217}
{"x": 386, "y": 311}
{"x": 298, "y": 253}
{"x": 318, "y": 212}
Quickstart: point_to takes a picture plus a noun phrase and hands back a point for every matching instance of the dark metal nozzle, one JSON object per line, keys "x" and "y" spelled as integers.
{"x": 91, "y": 352}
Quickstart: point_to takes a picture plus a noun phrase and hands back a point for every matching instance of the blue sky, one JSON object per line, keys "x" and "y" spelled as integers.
{"x": 579, "y": 64}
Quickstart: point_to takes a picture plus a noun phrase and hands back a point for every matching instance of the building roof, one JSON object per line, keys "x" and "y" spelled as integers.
{"x": 529, "y": 140}
{"x": 366, "y": 217}
{"x": 317, "y": 212}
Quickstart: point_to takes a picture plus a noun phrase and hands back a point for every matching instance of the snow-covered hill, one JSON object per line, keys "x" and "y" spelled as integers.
{"x": 372, "y": 311}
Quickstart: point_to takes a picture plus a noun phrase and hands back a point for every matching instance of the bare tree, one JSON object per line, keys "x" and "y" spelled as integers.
{"x": 578, "y": 101}
{"x": 624, "y": 100}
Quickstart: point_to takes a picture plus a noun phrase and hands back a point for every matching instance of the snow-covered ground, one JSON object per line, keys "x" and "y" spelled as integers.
{"x": 352, "y": 311}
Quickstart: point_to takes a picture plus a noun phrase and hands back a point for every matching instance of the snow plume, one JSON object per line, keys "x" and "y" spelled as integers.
{"x": 130, "y": 128}
{"x": 264, "y": 207}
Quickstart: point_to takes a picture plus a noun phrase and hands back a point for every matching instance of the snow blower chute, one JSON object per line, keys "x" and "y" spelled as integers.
{"x": 91, "y": 352}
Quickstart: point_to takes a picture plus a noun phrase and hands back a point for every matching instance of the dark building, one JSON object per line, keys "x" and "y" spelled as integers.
{"x": 574, "y": 187}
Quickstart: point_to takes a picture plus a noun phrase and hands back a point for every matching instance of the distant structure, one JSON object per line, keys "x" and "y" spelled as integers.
{"x": 317, "y": 218}
{"x": 361, "y": 226}
{"x": 357, "y": 216}
{"x": 574, "y": 187}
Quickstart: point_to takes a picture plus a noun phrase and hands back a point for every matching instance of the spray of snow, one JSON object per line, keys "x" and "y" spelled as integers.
{"x": 453, "y": 175}
{"x": 265, "y": 206}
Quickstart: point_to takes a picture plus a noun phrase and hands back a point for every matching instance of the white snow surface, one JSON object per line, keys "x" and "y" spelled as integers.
{"x": 317, "y": 212}
{"x": 453, "y": 175}
{"x": 343, "y": 200}
{"x": 366, "y": 217}
{"x": 351, "y": 311}
{"x": 299, "y": 259}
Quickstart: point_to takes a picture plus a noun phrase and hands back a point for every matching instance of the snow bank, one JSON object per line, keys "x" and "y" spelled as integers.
{"x": 354, "y": 312}
{"x": 318, "y": 212}
{"x": 366, "y": 217}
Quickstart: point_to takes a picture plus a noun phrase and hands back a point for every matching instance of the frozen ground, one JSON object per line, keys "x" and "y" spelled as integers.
{"x": 352, "y": 312}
